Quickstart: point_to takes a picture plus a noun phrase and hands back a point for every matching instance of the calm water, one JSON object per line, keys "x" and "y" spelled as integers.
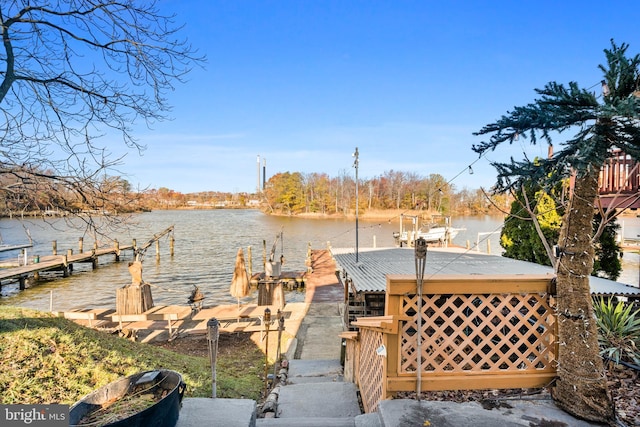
{"x": 206, "y": 243}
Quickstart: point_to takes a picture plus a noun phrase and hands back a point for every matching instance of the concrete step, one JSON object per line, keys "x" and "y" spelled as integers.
{"x": 364, "y": 420}
{"x": 308, "y": 371}
{"x": 305, "y": 422}
{"x": 199, "y": 412}
{"x": 318, "y": 400}
{"x": 369, "y": 420}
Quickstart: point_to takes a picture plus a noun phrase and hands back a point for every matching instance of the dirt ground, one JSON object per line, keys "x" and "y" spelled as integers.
{"x": 197, "y": 345}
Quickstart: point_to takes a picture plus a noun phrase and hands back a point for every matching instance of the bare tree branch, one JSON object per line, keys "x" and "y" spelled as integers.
{"x": 75, "y": 71}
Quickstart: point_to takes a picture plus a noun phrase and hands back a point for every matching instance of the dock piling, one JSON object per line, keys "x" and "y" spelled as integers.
{"x": 116, "y": 246}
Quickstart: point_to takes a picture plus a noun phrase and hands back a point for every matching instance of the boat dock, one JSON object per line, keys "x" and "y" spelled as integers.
{"x": 30, "y": 271}
{"x": 63, "y": 263}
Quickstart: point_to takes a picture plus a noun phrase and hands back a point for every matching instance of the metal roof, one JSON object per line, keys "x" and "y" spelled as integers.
{"x": 374, "y": 264}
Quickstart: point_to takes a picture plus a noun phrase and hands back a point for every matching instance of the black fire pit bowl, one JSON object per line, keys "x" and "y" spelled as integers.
{"x": 163, "y": 413}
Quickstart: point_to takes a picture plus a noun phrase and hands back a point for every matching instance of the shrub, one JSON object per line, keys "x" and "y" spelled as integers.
{"x": 618, "y": 330}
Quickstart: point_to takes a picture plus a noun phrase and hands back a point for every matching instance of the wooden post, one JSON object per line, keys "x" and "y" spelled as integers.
{"x": 65, "y": 266}
{"x": 488, "y": 246}
{"x": 249, "y": 262}
{"x": 135, "y": 298}
{"x": 81, "y": 245}
{"x": 157, "y": 249}
{"x": 172, "y": 242}
{"x": 264, "y": 256}
{"x": 116, "y": 250}
{"x": 277, "y": 298}
{"x": 55, "y": 248}
{"x": 212, "y": 338}
{"x": 134, "y": 244}
{"x": 69, "y": 254}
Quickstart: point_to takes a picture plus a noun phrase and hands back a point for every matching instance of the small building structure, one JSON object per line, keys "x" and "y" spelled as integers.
{"x": 365, "y": 281}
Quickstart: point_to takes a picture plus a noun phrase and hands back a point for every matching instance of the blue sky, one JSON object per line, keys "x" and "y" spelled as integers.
{"x": 302, "y": 83}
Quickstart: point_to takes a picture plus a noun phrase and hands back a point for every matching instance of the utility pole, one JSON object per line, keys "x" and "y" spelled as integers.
{"x": 355, "y": 165}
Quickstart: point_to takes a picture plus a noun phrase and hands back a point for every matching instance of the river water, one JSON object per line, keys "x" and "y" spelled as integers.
{"x": 206, "y": 244}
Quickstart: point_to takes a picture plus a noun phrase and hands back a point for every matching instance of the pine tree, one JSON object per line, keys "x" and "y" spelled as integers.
{"x": 598, "y": 126}
{"x": 522, "y": 241}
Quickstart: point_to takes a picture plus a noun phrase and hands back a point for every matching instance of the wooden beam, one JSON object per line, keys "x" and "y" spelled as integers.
{"x": 470, "y": 382}
{"x": 470, "y": 284}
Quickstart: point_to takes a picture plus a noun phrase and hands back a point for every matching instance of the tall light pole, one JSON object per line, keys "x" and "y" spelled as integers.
{"x": 355, "y": 165}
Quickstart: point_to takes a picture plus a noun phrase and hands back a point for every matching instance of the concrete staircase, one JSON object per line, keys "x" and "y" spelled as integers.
{"x": 315, "y": 395}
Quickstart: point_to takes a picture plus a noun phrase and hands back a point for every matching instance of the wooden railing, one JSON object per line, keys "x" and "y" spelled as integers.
{"x": 619, "y": 174}
{"x": 478, "y": 332}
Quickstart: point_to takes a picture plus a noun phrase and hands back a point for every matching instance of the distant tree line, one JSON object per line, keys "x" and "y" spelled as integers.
{"x": 289, "y": 193}
{"x": 295, "y": 193}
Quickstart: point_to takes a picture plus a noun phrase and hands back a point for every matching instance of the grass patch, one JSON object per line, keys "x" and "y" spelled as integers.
{"x": 45, "y": 359}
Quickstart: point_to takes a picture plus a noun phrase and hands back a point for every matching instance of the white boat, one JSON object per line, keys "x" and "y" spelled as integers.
{"x": 439, "y": 234}
{"x": 432, "y": 232}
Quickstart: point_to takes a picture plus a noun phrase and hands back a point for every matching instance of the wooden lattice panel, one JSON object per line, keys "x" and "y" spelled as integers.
{"x": 479, "y": 333}
{"x": 371, "y": 370}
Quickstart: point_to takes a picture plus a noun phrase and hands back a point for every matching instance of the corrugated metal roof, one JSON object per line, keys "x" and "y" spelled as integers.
{"x": 374, "y": 264}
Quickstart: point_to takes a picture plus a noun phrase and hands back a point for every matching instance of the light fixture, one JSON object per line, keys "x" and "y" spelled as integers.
{"x": 470, "y": 170}
{"x": 605, "y": 88}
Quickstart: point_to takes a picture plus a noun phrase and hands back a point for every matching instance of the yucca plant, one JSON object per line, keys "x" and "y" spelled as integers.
{"x": 618, "y": 330}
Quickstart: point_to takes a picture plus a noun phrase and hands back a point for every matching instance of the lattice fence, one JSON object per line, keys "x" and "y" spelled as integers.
{"x": 371, "y": 370}
{"x": 478, "y": 333}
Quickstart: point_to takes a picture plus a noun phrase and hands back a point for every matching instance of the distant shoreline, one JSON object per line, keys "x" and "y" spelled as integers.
{"x": 391, "y": 215}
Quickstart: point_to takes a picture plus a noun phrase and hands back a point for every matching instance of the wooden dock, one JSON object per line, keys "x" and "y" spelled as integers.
{"x": 63, "y": 263}
{"x": 164, "y": 322}
{"x": 7, "y": 248}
